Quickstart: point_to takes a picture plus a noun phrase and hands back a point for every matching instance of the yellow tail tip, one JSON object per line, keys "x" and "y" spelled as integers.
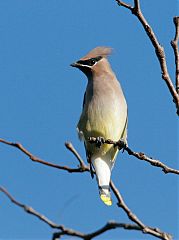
{"x": 107, "y": 200}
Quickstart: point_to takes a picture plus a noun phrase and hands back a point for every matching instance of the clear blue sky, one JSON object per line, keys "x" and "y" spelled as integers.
{"x": 40, "y": 101}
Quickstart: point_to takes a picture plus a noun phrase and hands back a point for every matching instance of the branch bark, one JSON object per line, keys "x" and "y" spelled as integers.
{"x": 44, "y": 219}
{"x": 159, "y": 50}
{"x": 174, "y": 44}
{"x": 138, "y": 155}
{"x": 120, "y": 202}
{"x": 110, "y": 225}
{"x": 123, "y": 4}
{"x": 81, "y": 168}
{"x": 67, "y": 231}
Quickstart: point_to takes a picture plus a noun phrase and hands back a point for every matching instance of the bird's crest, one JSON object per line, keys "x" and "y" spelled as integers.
{"x": 98, "y": 51}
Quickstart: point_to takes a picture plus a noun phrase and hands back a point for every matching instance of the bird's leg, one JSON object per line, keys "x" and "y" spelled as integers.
{"x": 99, "y": 141}
{"x": 91, "y": 166}
{"x": 91, "y": 170}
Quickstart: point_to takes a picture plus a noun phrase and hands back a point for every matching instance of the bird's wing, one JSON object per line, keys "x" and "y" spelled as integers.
{"x": 124, "y": 133}
{"x": 79, "y": 125}
{"x": 84, "y": 99}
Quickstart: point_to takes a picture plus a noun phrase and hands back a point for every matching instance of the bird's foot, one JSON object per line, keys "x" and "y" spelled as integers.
{"x": 122, "y": 144}
{"x": 99, "y": 141}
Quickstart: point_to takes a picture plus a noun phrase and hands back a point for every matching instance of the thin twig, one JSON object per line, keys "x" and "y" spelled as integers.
{"x": 174, "y": 44}
{"x": 121, "y": 204}
{"x": 108, "y": 226}
{"x": 70, "y": 147}
{"x": 36, "y": 159}
{"x": 123, "y": 4}
{"x": 159, "y": 50}
{"x": 153, "y": 162}
{"x": 112, "y": 225}
{"x": 136, "y": 5}
{"x": 145, "y": 229}
{"x": 30, "y": 210}
{"x": 85, "y": 168}
{"x": 67, "y": 231}
{"x": 138, "y": 155}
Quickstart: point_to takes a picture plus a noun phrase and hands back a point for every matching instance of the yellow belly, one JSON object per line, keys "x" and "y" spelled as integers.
{"x": 108, "y": 127}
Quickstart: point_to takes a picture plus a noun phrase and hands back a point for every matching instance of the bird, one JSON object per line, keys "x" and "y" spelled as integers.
{"x": 104, "y": 116}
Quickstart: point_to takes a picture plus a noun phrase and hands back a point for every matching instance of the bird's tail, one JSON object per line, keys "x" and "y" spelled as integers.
{"x": 105, "y": 195}
{"x": 103, "y": 169}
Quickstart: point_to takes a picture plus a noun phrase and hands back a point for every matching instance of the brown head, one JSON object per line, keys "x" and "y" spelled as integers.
{"x": 94, "y": 62}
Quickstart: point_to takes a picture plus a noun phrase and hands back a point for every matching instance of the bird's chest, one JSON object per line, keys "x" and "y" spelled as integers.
{"x": 101, "y": 110}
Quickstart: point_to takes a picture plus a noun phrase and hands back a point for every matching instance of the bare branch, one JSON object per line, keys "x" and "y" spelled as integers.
{"x": 174, "y": 44}
{"x": 145, "y": 229}
{"x": 67, "y": 231}
{"x": 159, "y": 50}
{"x": 153, "y": 162}
{"x": 123, "y": 4}
{"x": 36, "y": 159}
{"x": 70, "y": 147}
{"x": 30, "y": 210}
{"x": 121, "y": 204}
{"x": 85, "y": 168}
{"x": 138, "y": 155}
{"x": 141, "y": 226}
{"x": 109, "y": 226}
{"x": 112, "y": 225}
{"x": 136, "y": 5}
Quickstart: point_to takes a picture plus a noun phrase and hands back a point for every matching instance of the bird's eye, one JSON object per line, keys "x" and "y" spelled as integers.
{"x": 92, "y": 62}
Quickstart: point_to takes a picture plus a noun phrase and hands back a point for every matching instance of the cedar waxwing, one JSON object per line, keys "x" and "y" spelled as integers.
{"x": 104, "y": 115}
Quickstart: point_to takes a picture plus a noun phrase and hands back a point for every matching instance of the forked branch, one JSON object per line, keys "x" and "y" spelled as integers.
{"x": 81, "y": 168}
{"x": 174, "y": 44}
{"x": 159, "y": 50}
{"x": 84, "y": 168}
{"x": 67, "y": 231}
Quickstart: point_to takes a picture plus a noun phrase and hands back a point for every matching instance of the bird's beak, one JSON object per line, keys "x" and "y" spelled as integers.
{"x": 74, "y": 64}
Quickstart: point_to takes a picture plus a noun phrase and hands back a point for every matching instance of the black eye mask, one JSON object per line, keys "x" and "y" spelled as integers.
{"x": 90, "y": 62}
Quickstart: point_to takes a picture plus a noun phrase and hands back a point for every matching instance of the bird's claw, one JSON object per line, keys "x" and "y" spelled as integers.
{"x": 122, "y": 144}
{"x": 99, "y": 141}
